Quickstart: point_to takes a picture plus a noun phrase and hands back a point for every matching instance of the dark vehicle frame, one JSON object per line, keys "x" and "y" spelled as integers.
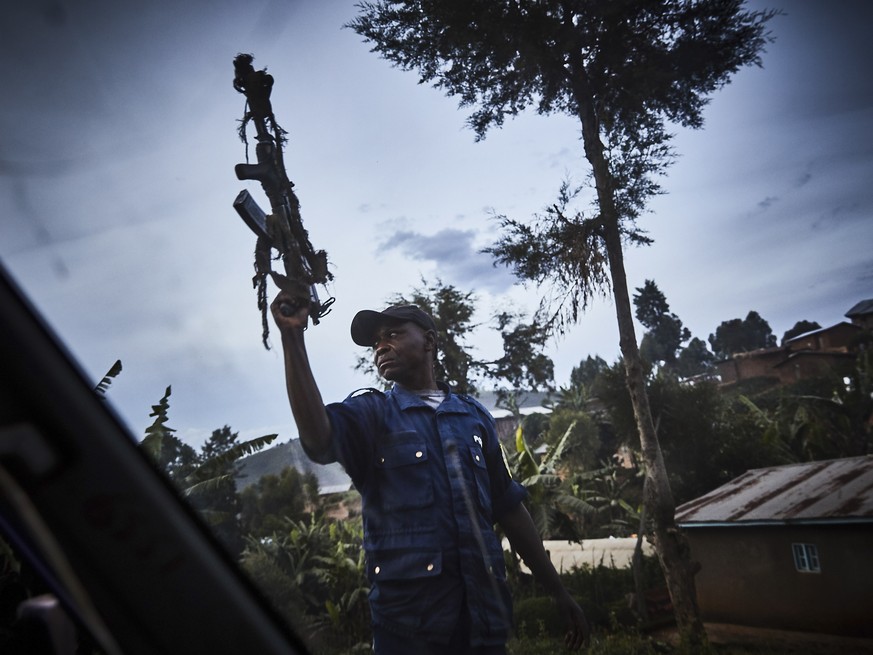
{"x": 128, "y": 560}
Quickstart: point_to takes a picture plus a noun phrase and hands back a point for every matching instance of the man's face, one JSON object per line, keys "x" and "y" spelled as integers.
{"x": 403, "y": 352}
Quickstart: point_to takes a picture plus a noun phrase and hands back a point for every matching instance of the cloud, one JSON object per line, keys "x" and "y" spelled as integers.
{"x": 803, "y": 179}
{"x": 455, "y": 253}
{"x": 768, "y": 202}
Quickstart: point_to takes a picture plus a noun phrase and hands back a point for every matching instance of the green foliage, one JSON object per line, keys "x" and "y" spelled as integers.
{"x": 694, "y": 359}
{"x": 452, "y": 311}
{"x": 643, "y": 58}
{"x": 741, "y": 335}
{"x": 707, "y": 437}
{"x": 602, "y": 592}
{"x": 824, "y": 418}
{"x": 537, "y": 617}
{"x": 615, "y": 494}
{"x": 205, "y": 480}
{"x": 554, "y": 510}
{"x": 702, "y": 444}
{"x": 627, "y": 644}
{"x": 267, "y": 505}
{"x": 563, "y": 252}
{"x": 800, "y": 327}
{"x": 661, "y": 345}
{"x": 623, "y": 69}
{"x": 167, "y": 451}
{"x": 607, "y": 587}
{"x": 582, "y": 448}
{"x": 535, "y": 427}
{"x": 665, "y": 333}
{"x": 323, "y": 587}
{"x": 211, "y": 486}
{"x": 104, "y": 384}
{"x": 523, "y": 366}
{"x": 613, "y": 393}
{"x": 584, "y": 377}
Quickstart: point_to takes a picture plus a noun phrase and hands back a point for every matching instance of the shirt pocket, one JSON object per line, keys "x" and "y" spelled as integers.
{"x": 402, "y": 566}
{"x": 402, "y": 472}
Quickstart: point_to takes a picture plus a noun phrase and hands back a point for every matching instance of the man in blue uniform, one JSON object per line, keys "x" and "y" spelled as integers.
{"x": 433, "y": 482}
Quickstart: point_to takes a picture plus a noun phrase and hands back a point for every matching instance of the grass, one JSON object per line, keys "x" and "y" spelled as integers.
{"x": 631, "y": 643}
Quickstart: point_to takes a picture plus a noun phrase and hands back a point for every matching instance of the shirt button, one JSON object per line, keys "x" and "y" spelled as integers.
{"x": 477, "y": 458}
{"x": 381, "y": 460}
{"x": 419, "y": 454}
{"x": 430, "y": 567}
{"x": 377, "y": 570}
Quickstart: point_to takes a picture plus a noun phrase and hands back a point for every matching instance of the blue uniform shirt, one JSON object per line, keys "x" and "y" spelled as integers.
{"x": 433, "y": 483}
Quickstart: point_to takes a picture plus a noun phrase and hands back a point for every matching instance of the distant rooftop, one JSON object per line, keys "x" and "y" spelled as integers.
{"x": 529, "y": 402}
{"x": 832, "y": 491}
{"x": 861, "y": 309}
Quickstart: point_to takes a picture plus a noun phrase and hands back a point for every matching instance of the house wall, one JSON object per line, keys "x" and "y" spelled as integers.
{"x": 748, "y": 577}
{"x": 806, "y": 365}
{"x": 744, "y": 366}
{"x": 864, "y": 321}
{"x": 838, "y": 337}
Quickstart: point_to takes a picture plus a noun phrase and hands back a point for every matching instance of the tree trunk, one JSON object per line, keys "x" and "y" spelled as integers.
{"x": 671, "y": 545}
{"x": 637, "y": 565}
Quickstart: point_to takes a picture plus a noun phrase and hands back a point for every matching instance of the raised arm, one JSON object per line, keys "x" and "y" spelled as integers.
{"x": 522, "y": 533}
{"x": 307, "y": 406}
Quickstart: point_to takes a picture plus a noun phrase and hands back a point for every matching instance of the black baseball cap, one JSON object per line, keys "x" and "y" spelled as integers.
{"x": 367, "y": 321}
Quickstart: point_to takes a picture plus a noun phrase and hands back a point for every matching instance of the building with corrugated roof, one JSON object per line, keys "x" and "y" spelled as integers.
{"x": 825, "y": 351}
{"x": 788, "y": 547}
{"x": 861, "y": 314}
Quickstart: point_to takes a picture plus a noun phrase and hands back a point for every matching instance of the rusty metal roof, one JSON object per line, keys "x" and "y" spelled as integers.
{"x": 832, "y": 491}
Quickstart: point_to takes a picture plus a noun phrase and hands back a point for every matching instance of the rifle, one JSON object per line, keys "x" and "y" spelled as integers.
{"x": 282, "y": 230}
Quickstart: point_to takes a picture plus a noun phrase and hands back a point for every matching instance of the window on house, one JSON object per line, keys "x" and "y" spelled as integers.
{"x": 806, "y": 558}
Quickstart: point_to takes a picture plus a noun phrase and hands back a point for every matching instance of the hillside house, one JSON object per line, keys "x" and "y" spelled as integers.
{"x": 787, "y": 547}
{"x": 755, "y": 364}
{"x": 861, "y": 314}
{"x": 826, "y": 351}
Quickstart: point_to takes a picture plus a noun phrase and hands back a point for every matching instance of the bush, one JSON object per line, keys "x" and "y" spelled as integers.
{"x": 538, "y": 617}
{"x": 617, "y": 644}
{"x": 606, "y": 586}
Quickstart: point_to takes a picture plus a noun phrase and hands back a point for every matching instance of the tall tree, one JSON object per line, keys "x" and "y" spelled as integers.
{"x": 694, "y": 359}
{"x": 665, "y": 332}
{"x": 171, "y": 455}
{"x": 623, "y": 69}
{"x": 523, "y": 366}
{"x": 801, "y": 327}
{"x": 275, "y": 499}
{"x": 741, "y": 335}
{"x": 452, "y": 311}
{"x": 584, "y": 376}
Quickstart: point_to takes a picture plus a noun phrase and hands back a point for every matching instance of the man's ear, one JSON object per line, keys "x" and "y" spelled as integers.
{"x": 431, "y": 341}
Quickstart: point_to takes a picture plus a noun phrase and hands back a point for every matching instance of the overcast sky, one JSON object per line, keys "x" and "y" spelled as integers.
{"x": 116, "y": 184}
